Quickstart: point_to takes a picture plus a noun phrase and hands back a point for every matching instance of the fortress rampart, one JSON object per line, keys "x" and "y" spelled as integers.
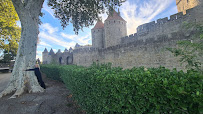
{"x": 148, "y": 46}
{"x": 165, "y": 25}
{"x": 145, "y": 48}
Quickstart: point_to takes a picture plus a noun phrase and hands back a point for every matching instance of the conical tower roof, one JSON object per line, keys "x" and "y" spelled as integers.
{"x": 99, "y": 25}
{"x": 77, "y": 45}
{"x": 45, "y": 50}
{"x": 115, "y": 16}
{"x": 65, "y": 50}
{"x": 59, "y": 51}
{"x": 70, "y": 49}
{"x": 51, "y": 52}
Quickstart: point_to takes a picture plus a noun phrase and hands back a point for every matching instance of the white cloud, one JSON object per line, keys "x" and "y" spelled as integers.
{"x": 44, "y": 44}
{"x": 55, "y": 50}
{"x": 49, "y": 10}
{"x": 39, "y": 52}
{"x": 82, "y": 40}
{"x": 39, "y": 55}
{"x": 103, "y": 16}
{"x": 68, "y": 36}
{"x": 56, "y": 40}
{"x": 136, "y": 15}
{"x": 47, "y": 27}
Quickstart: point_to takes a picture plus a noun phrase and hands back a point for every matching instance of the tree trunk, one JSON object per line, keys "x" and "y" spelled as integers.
{"x": 21, "y": 80}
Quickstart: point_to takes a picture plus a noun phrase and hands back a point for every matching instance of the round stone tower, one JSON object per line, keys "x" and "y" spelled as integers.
{"x": 97, "y": 35}
{"x": 114, "y": 29}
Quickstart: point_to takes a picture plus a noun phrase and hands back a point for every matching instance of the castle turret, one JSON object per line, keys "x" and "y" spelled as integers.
{"x": 51, "y": 52}
{"x": 45, "y": 56}
{"x": 59, "y": 51}
{"x": 183, "y": 5}
{"x": 114, "y": 29}
{"x": 98, "y": 35}
{"x": 65, "y": 50}
{"x": 45, "y": 50}
{"x": 77, "y": 46}
{"x": 70, "y": 49}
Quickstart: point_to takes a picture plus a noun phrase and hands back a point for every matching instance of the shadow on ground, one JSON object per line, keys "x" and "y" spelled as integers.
{"x": 55, "y": 100}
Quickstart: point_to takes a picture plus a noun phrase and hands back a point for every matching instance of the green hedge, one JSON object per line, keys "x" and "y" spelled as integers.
{"x": 51, "y": 71}
{"x": 103, "y": 89}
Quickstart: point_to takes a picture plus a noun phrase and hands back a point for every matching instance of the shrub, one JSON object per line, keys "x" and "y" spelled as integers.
{"x": 103, "y": 89}
{"x": 51, "y": 71}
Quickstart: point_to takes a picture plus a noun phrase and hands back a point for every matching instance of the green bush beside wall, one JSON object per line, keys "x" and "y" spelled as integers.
{"x": 51, "y": 71}
{"x": 103, "y": 89}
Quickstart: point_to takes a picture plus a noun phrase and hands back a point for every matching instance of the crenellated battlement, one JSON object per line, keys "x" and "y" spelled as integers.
{"x": 89, "y": 49}
{"x": 143, "y": 48}
{"x": 175, "y": 36}
{"x": 162, "y": 26}
{"x": 57, "y": 53}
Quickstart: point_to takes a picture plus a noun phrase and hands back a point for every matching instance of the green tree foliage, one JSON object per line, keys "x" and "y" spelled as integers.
{"x": 9, "y": 31}
{"x": 81, "y": 13}
{"x": 191, "y": 51}
{"x": 8, "y": 56}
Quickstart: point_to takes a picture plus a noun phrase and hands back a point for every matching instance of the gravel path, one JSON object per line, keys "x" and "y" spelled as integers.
{"x": 55, "y": 100}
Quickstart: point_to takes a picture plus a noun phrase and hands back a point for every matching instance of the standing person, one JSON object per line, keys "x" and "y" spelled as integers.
{"x": 38, "y": 75}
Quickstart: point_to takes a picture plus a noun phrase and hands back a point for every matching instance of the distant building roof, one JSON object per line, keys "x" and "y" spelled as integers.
{"x": 59, "y": 51}
{"x": 70, "y": 48}
{"x": 77, "y": 45}
{"x": 99, "y": 25}
{"x": 51, "y": 52}
{"x": 115, "y": 16}
{"x": 65, "y": 50}
{"x": 45, "y": 50}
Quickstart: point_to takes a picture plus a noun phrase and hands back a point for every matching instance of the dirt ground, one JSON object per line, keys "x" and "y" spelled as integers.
{"x": 55, "y": 100}
{"x": 4, "y": 79}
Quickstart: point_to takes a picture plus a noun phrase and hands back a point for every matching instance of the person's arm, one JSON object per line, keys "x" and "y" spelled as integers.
{"x": 30, "y": 69}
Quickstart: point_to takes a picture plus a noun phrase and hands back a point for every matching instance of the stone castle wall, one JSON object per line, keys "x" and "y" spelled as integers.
{"x": 85, "y": 56}
{"x": 148, "y": 53}
{"x": 64, "y": 58}
{"x": 147, "y": 46}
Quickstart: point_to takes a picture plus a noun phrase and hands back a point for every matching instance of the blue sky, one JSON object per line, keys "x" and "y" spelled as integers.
{"x": 135, "y": 12}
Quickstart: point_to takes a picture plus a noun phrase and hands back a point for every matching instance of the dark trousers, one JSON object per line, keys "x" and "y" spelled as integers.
{"x": 41, "y": 82}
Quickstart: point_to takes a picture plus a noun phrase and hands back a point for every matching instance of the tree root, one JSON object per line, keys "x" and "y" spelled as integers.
{"x": 8, "y": 90}
{"x": 36, "y": 89}
{"x": 21, "y": 82}
{"x": 20, "y": 90}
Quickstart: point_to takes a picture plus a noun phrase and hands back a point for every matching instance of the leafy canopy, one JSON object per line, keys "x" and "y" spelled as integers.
{"x": 8, "y": 56}
{"x": 9, "y": 31}
{"x": 81, "y": 13}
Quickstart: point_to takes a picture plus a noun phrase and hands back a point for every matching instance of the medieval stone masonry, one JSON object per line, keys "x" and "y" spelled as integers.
{"x": 147, "y": 47}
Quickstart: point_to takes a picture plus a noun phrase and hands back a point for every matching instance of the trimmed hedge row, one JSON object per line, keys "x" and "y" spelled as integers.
{"x": 51, "y": 71}
{"x": 103, "y": 89}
